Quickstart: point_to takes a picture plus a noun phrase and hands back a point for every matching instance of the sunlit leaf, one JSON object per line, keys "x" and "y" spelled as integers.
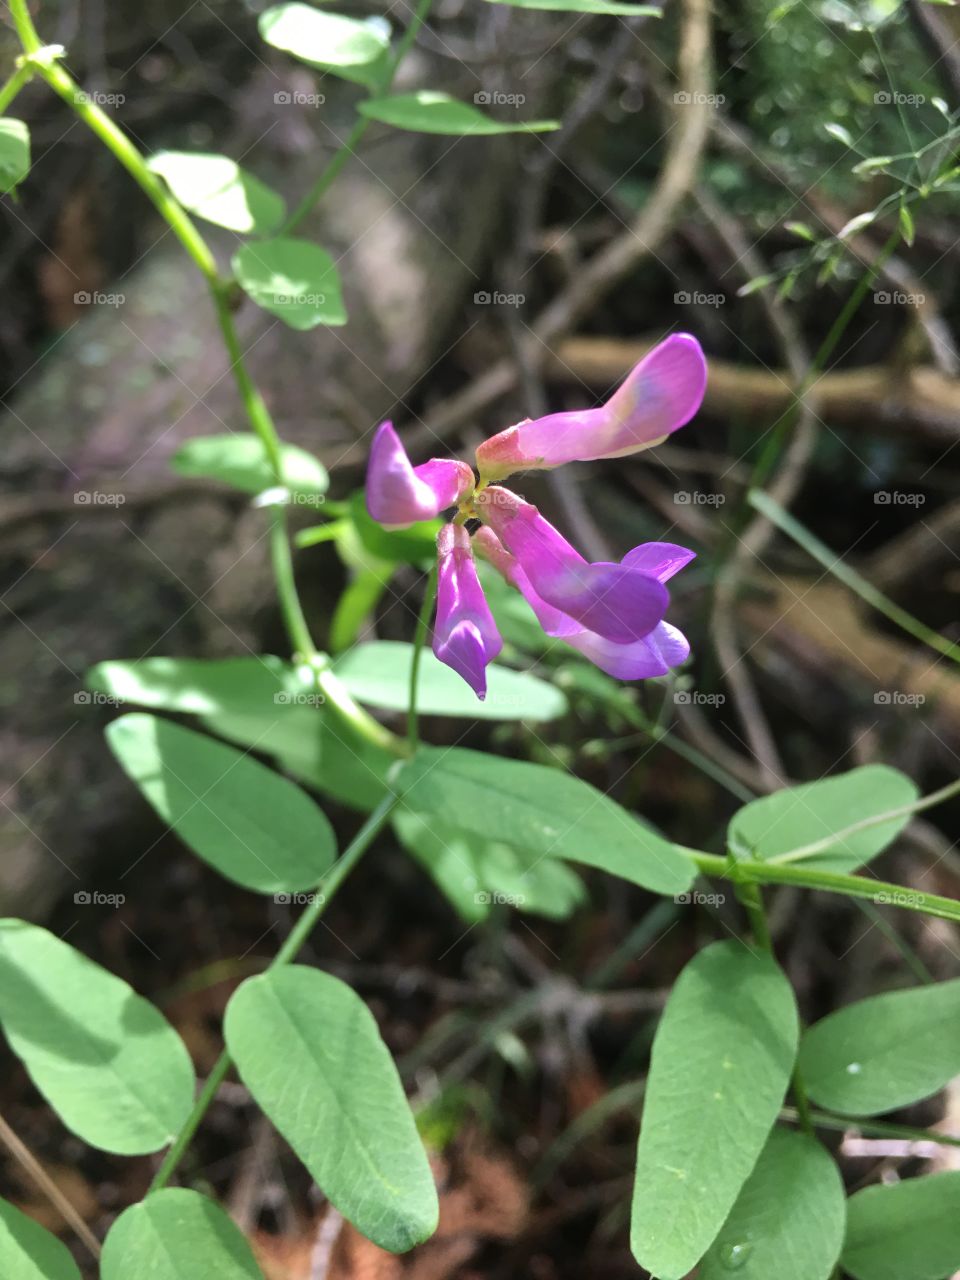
{"x": 29, "y": 1252}
{"x": 293, "y": 279}
{"x": 326, "y": 40}
{"x": 428, "y": 111}
{"x": 310, "y": 1052}
{"x": 216, "y": 188}
{"x": 240, "y": 459}
{"x": 176, "y": 1234}
{"x": 14, "y": 153}
{"x": 107, "y": 1062}
{"x": 720, "y": 1065}
{"x": 249, "y": 823}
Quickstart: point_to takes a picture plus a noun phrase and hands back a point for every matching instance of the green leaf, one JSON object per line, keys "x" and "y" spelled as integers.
{"x": 772, "y": 828}
{"x": 719, "y": 1068}
{"x": 840, "y": 133}
{"x": 907, "y": 228}
{"x": 309, "y": 1051}
{"x": 477, "y": 874}
{"x": 884, "y": 1052}
{"x": 199, "y": 686}
{"x": 108, "y": 1062}
{"x": 14, "y": 153}
{"x": 322, "y": 39}
{"x": 542, "y": 811}
{"x": 428, "y": 111}
{"x": 176, "y": 1234}
{"x": 28, "y": 1252}
{"x": 801, "y": 230}
{"x": 789, "y": 1217}
{"x": 216, "y": 188}
{"x": 240, "y": 459}
{"x": 587, "y": 6}
{"x": 857, "y": 224}
{"x": 414, "y": 545}
{"x": 378, "y": 674}
{"x": 253, "y": 826}
{"x": 904, "y": 1231}
{"x": 293, "y": 279}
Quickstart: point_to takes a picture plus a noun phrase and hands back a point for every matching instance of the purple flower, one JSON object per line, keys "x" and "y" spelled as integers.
{"x": 662, "y": 393}
{"x": 654, "y": 655}
{"x": 398, "y": 493}
{"x": 612, "y": 613}
{"x": 465, "y": 635}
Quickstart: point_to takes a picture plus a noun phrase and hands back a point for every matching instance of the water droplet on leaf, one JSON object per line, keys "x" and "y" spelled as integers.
{"x": 734, "y": 1256}
{"x": 854, "y": 1068}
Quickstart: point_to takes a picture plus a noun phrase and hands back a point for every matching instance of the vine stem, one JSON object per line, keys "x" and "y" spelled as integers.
{"x": 43, "y": 63}
{"x": 12, "y": 86}
{"x": 348, "y": 147}
{"x": 295, "y": 940}
{"x": 897, "y": 895}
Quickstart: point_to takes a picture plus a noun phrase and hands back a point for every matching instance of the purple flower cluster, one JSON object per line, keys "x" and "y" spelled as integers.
{"x": 612, "y": 613}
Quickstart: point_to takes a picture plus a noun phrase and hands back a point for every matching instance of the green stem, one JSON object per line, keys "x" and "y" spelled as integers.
{"x": 752, "y": 900}
{"x": 871, "y": 1128}
{"x": 805, "y": 851}
{"x": 257, "y": 412}
{"x": 13, "y": 86}
{"x": 297, "y": 937}
{"x": 419, "y": 639}
{"x": 896, "y": 895}
{"x": 348, "y": 147}
{"x": 834, "y": 565}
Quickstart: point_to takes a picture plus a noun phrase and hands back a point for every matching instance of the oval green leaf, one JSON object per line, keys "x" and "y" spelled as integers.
{"x": 28, "y": 1252}
{"x": 108, "y": 1062}
{"x": 789, "y": 1217}
{"x": 905, "y": 1231}
{"x": 240, "y": 459}
{"x": 309, "y": 1051}
{"x": 176, "y": 1234}
{"x": 292, "y": 279}
{"x": 199, "y": 686}
{"x": 544, "y": 811}
{"x": 884, "y": 1052}
{"x": 428, "y": 111}
{"x": 779, "y": 827}
{"x": 216, "y": 188}
{"x": 719, "y": 1068}
{"x": 14, "y": 153}
{"x": 477, "y": 874}
{"x": 378, "y": 674}
{"x": 250, "y": 824}
{"x": 322, "y": 39}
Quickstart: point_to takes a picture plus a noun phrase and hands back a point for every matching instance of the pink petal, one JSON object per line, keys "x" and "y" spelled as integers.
{"x": 660, "y": 559}
{"x": 398, "y": 494}
{"x": 619, "y": 602}
{"x": 465, "y": 636}
{"x": 661, "y": 394}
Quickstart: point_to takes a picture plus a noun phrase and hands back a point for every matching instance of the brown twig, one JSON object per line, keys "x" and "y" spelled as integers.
{"x": 33, "y": 1167}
